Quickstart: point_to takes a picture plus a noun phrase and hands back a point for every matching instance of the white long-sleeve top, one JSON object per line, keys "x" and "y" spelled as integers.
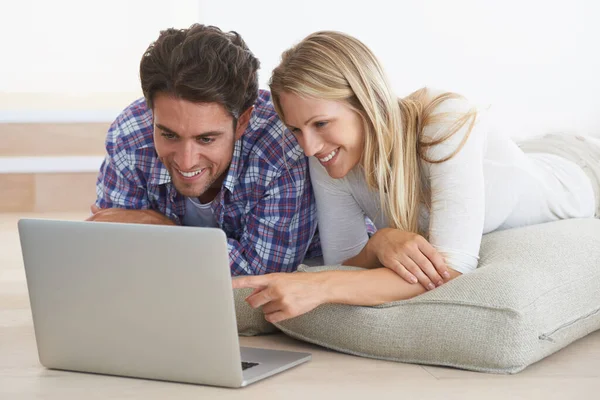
{"x": 489, "y": 184}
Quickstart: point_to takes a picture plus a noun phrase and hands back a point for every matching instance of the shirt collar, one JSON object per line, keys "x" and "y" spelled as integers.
{"x": 159, "y": 175}
{"x": 232, "y": 177}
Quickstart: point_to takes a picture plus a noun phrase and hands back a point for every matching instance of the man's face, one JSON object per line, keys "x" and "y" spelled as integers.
{"x": 195, "y": 142}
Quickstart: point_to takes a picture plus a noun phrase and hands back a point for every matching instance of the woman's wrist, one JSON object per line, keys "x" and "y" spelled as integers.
{"x": 371, "y": 249}
{"x": 330, "y": 287}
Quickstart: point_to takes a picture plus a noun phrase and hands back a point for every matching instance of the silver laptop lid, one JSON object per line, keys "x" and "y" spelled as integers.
{"x": 135, "y": 300}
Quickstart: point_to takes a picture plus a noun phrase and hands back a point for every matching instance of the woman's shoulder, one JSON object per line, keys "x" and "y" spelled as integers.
{"x": 436, "y": 100}
{"x": 449, "y": 120}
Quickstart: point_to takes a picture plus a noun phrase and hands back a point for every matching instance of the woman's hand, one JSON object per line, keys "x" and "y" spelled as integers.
{"x": 409, "y": 255}
{"x": 283, "y": 295}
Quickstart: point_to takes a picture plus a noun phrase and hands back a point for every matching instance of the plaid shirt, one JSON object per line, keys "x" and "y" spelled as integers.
{"x": 266, "y": 205}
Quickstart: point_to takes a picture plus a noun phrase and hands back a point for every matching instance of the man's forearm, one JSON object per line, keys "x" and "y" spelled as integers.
{"x": 130, "y": 216}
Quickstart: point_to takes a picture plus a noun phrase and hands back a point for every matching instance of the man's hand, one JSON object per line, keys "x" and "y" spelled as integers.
{"x": 283, "y": 295}
{"x": 128, "y": 216}
{"x": 411, "y": 256}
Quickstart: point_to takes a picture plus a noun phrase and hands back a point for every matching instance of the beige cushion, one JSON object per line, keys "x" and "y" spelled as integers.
{"x": 536, "y": 290}
{"x": 250, "y": 321}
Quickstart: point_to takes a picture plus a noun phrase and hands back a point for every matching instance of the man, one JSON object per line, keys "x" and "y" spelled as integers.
{"x": 204, "y": 147}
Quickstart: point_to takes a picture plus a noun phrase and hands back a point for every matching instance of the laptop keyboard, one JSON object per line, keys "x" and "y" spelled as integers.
{"x": 246, "y": 365}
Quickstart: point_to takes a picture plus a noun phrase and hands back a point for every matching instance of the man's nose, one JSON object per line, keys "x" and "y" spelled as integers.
{"x": 187, "y": 159}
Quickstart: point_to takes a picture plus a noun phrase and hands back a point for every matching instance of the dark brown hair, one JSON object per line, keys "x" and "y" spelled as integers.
{"x": 201, "y": 64}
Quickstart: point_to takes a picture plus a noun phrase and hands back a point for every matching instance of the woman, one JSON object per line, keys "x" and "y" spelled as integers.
{"x": 428, "y": 170}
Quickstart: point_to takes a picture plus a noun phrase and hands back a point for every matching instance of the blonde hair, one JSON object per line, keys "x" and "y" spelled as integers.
{"x": 335, "y": 66}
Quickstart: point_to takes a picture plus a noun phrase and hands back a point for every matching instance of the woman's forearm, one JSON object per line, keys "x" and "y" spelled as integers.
{"x": 367, "y": 288}
{"x": 371, "y": 287}
{"x": 365, "y": 259}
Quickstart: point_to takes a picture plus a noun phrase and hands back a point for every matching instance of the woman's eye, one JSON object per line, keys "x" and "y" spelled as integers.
{"x": 320, "y": 124}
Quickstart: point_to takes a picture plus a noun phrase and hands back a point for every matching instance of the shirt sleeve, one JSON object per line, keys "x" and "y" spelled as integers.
{"x": 342, "y": 227}
{"x": 457, "y": 188}
{"x": 279, "y": 228}
{"x": 117, "y": 186}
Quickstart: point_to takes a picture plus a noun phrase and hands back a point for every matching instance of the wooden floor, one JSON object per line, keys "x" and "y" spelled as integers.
{"x": 573, "y": 373}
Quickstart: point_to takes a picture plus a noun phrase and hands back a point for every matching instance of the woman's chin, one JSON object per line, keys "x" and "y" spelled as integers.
{"x": 336, "y": 173}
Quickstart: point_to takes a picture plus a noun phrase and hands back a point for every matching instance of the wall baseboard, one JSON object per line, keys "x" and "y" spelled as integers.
{"x": 43, "y": 165}
{"x": 52, "y": 116}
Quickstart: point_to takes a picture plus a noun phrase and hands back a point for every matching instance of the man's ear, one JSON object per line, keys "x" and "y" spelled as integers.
{"x": 243, "y": 121}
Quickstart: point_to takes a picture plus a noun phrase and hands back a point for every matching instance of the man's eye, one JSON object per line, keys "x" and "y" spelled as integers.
{"x": 168, "y": 136}
{"x": 295, "y": 131}
{"x": 206, "y": 140}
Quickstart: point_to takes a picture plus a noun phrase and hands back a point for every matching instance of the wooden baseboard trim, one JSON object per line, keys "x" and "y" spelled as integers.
{"x": 40, "y": 165}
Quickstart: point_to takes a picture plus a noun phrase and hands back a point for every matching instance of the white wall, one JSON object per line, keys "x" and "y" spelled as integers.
{"x": 536, "y": 62}
{"x": 78, "y": 60}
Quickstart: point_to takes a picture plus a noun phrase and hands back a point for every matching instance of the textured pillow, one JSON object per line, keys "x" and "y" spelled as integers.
{"x": 536, "y": 290}
{"x": 250, "y": 321}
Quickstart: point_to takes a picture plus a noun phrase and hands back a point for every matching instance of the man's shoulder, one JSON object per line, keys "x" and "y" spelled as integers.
{"x": 132, "y": 129}
{"x": 266, "y": 139}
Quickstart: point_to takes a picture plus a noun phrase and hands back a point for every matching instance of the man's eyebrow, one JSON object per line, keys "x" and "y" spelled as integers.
{"x": 164, "y": 128}
{"x": 210, "y": 133}
{"x": 203, "y": 134}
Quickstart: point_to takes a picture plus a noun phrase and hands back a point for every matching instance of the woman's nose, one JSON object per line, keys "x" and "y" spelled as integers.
{"x": 310, "y": 143}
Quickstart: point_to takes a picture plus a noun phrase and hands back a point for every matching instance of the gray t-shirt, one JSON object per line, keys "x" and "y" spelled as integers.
{"x": 198, "y": 214}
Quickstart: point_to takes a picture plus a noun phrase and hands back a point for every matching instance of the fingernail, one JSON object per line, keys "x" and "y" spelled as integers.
{"x": 430, "y": 286}
{"x": 440, "y": 283}
{"x": 446, "y": 274}
{"x": 413, "y": 280}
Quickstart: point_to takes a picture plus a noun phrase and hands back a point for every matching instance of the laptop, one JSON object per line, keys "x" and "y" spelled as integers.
{"x": 144, "y": 301}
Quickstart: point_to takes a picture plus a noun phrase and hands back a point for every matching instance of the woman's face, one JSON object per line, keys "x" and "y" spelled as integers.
{"x": 329, "y": 130}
